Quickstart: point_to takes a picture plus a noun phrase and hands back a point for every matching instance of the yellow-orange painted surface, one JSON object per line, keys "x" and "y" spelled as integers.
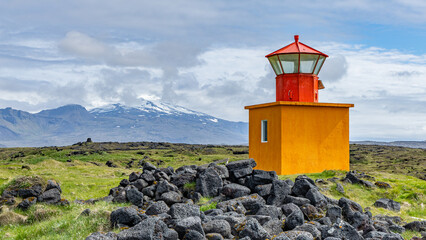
{"x": 302, "y": 137}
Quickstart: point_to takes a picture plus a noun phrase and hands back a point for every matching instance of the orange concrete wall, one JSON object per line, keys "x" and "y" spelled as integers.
{"x": 302, "y": 137}
{"x": 314, "y": 139}
{"x": 266, "y": 154}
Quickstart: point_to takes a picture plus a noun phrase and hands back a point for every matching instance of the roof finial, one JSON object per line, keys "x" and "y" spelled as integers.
{"x": 296, "y": 38}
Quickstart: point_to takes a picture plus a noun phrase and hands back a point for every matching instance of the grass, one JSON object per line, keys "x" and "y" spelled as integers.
{"x": 61, "y": 222}
{"x": 76, "y": 169}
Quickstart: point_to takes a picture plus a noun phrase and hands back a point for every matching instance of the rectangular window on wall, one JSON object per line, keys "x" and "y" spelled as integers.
{"x": 264, "y": 131}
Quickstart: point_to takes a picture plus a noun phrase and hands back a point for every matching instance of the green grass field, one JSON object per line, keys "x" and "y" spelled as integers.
{"x": 82, "y": 173}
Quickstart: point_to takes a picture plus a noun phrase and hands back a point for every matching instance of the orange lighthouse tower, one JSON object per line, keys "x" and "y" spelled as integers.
{"x": 297, "y": 134}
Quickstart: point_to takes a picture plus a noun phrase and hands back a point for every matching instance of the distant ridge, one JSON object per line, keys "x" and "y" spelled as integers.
{"x": 149, "y": 121}
{"x": 410, "y": 144}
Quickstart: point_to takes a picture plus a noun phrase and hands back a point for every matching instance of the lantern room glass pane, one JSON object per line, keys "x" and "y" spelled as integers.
{"x": 319, "y": 64}
{"x": 307, "y": 62}
{"x": 290, "y": 63}
{"x": 275, "y": 64}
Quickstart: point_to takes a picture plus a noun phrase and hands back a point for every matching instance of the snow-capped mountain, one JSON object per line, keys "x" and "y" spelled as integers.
{"x": 150, "y": 121}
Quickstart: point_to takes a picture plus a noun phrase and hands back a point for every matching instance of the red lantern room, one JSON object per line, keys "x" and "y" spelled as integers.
{"x": 297, "y": 66}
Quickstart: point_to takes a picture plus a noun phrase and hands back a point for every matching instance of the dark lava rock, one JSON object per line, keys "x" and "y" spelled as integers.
{"x": 220, "y": 169}
{"x": 316, "y": 197}
{"x": 86, "y": 212}
{"x": 388, "y": 204}
{"x": 382, "y": 184}
{"x": 147, "y": 166}
{"x": 392, "y": 236}
{"x": 110, "y": 164}
{"x": 125, "y": 216}
{"x": 253, "y": 230}
{"x": 294, "y": 219}
{"x": 260, "y": 177}
{"x": 187, "y": 224}
{"x": 279, "y": 190}
{"x": 33, "y": 191}
{"x": 349, "y": 207}
{"x": 334, "y": 213}
{"x": 135, "y": 197}
{"x": 193, "y": 235}
{"x": 310, "y": 228}
{"x": 184, "y": 210}
{"x": 272, "y": 211}
{"x": 27, "y": 203}
{"x": 53, "y": 184}
{"x": 209, "y": 183}
{"x": 273, "y": 227}
{"x": 340, "y": 188}
{"x": 289, "y": 208}
{"x": 102, "y": 236}
{"x": 140, "y": 184}
{"x": 124, "y": 183}
{"x": 418, "y": 226}
{"x": 302, "y": 186}
{"x": 298, "y": 235}
{"x": 50, "y": 196}
{"x": 234, "y": 190}
{"x": 134, "y": 176}
{"x": 241, "y": 168}
{"x": 148, "y": 177}
{"x": 171, "y": 198}
{"x": 263, "y": 190}
{"x": 157, "y": 208}
{"x": 218, "y": 226}
{"x": 148, "y": 229}
{"x": 299, "y": 201}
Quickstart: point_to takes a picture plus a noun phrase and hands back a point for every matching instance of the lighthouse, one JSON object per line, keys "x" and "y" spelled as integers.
{"x": 297, "y": 133}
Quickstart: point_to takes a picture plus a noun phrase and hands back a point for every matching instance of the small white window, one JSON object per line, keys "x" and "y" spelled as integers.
{"x": 264, "y": 131}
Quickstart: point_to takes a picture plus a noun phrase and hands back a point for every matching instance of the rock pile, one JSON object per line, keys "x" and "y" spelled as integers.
{"x": 251, "y": 204}
{"x": 35, "y": 192}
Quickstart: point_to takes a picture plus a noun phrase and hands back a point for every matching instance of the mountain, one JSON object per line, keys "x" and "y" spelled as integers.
{"x": 159, "y": 122}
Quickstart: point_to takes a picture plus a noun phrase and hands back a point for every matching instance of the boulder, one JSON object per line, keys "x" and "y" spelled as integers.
{"x": 220, "y": 169}
{"x": 193, "y": 235}
{"x": 171, "y": 198}
{"x": 251, "y": 228}
{"x": 340, "y": 188}
{"x": 234, "y": 190}
{"x": 263, "y": 190}
{"x": 218, "y": 226}
{"x": 334, "y": 213}
{"x": 102, "y": 236}
{"x": 261, "y": 177}
{"x": 184, "y": 210}
{"x": 148, "y": 229}
{"x": 294, "y": 219}
{"x": 125, "y": 216}
{"x": 299, "y": 201}
{"x": 388, "y": 204}
{"x": 187, "y": 224}
{"x": 418, "y": 226}
{"x": 241, "y": 168}
{"x": 27, "y": 203}
{"x": 209, "y": 183}
{"x": 310, "y": 228}
{"x": 272, "y": 211}
{"x": 134, "y": 196}
{"x": 298, "y": 235}
{"x": 382, "y": 184}
{"x": 316, "y": 197}
{"x": 124, "y": 183}
{"x": 157, "y": 208}
{"x": 279, "y": 190}
{"x": 50, "y": 196}
{"x": 53, "y": 184}
{"x": 147, "y": 166}
{"x": 289, "y": 208}
{"x": 140, "y": 184}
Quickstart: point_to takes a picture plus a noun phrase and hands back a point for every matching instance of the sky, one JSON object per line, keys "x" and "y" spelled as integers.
{"x": 208, "y": 56}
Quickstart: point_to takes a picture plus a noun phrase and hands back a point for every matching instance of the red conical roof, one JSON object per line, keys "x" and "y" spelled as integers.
{"x": 296, "y": 47}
